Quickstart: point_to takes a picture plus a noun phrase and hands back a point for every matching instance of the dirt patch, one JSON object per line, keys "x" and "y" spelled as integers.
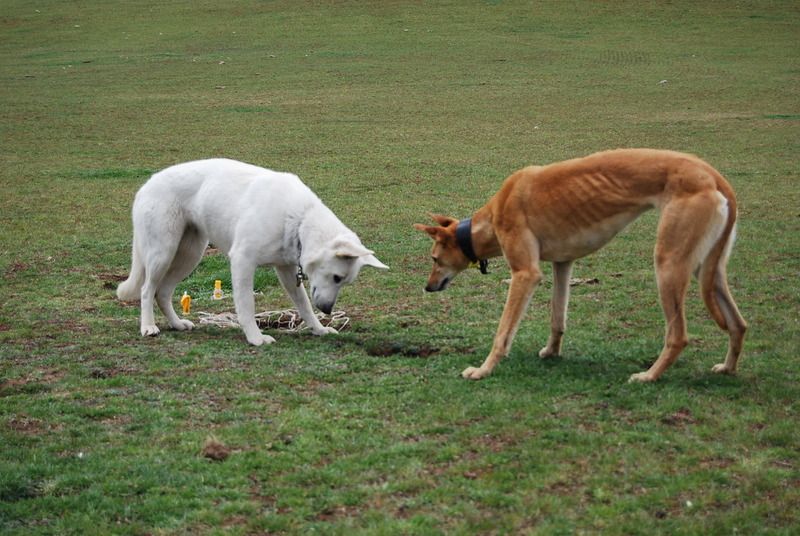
{"x": 332, "y": 513}
{"x": 494, "y": 443}
{"x": 58, "y": 326}
{"x": 30, "y": 426}
{"x": 15, "y": 268}
{"x": 782, "y": 464}
{"x": 386, "y": 349}
{"x": 30, "y": 385}
{"x": 116, "y": 420}
{"x": 312, "y": 387}
{"x": 111, "y": 280}
{"x": 682, "y": 417}
{"x": 111, "y": 372}
{"x": 26, "y": 425}
{"x": 716, "y": 463}
{"x": 9, "y": 385}
{"x": 216, "y": 450}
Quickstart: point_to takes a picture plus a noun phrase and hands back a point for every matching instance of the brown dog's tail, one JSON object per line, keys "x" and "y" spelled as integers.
{"x": 713, "y": 275}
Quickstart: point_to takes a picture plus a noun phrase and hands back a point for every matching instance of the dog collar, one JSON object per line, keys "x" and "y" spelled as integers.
{"x": 464, "y": 240}
{"x": 301, "y": 275}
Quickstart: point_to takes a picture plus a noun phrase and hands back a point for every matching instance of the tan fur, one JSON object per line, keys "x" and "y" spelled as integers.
{"x": 567, "y": 210}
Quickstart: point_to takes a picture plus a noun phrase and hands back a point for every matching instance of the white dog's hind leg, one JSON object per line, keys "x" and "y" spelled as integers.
{"x": 155, "y": 268}
{"x": 242, "y": 272}
{"x": 156, "y": 221}
{"x": 189, "y": 253}
{"x": 288, "y": 278}
{"x": 156, "y": 264}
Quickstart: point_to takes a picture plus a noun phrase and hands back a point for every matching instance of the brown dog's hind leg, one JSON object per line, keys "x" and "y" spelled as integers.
{"x": 558, "y": 308}
{"x": 685, "y": 221}
{"x": 736, "y": 325}
{"x": 673, "y": 282}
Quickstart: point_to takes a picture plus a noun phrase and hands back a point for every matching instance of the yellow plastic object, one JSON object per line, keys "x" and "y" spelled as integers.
{"x": 217, "y": 290}
{"x": 186, "y": 303}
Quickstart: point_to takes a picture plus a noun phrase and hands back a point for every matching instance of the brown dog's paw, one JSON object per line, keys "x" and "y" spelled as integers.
{"x": 641, "y": 377}
{"x": 474, "y": 373}
{"x": 720, "y": 368}
{"x": 547, "y": 352}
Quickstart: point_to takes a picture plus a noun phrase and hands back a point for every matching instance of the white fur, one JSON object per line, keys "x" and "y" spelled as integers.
{"x": 728, "y": 246}
{"x": 715, "y": 229}
{"x": 257, "y": 217}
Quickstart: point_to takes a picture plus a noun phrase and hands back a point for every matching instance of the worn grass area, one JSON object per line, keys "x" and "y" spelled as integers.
{"x": 390, "y": 110}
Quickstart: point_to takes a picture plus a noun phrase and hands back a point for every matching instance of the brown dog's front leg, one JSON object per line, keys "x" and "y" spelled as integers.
{"x": 523, "y": 283}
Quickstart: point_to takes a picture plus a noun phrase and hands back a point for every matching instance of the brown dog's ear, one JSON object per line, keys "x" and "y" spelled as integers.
{"x": 444, "y": 221}
{"x": 432, "y": 231}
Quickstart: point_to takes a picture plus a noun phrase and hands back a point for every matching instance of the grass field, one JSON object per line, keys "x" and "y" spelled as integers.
{"x": 390, "y": 110}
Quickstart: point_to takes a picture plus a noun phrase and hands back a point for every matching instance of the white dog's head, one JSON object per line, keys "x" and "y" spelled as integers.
{"x": 338, "y": 264}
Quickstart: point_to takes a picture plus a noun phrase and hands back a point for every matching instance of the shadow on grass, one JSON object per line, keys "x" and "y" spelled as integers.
{"x": 590, "y": 371}
{"x": 382, "y": 347}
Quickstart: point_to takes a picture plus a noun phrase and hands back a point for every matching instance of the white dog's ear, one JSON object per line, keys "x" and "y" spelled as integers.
{"x": 372, "y": 260}
{"x": 346, "y": 248}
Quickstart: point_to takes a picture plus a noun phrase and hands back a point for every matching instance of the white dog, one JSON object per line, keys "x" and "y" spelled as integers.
{"x": 257, "y": 217}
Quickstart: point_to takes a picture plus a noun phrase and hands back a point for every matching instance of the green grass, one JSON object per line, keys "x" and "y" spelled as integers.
{"x": 390, "y": 110}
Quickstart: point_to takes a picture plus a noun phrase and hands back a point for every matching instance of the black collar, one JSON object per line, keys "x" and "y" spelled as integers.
{"x": 464, "y": 240}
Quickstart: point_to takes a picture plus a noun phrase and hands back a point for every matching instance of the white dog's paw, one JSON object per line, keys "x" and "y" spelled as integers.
{"x": 184, "y": 325}
{"x": 260, "y": 339}
{"x": 641, "y": 377}
{"x": 720, "y": 368}
{"x": 474, "y": 373}
{"x": 150, "y": 331}
{"x": 324, "y": 331}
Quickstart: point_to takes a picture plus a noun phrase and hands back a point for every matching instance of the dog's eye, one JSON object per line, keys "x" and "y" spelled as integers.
{"x": 337, "y": 279}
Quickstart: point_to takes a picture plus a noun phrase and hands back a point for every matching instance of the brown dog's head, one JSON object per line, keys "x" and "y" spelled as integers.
{"x": 448, "y": 259}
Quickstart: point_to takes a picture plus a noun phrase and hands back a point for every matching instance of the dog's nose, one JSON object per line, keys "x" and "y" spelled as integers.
{"x": 325, "y": 307}
{"x": 441, "y": 285}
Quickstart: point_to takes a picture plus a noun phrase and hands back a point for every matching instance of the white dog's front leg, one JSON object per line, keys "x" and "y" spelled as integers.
{"x": 299, "y": 296}
{"x": 242, "y": 273}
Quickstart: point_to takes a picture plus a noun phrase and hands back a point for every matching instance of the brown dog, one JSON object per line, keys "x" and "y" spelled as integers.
{"x": 564, "y": 211}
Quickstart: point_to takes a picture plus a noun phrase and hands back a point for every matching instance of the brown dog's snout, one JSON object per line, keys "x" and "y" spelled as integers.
{"x": 437, "y": 286}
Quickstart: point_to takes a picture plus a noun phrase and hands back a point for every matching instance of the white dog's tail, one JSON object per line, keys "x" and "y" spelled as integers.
{"x": 131, "y": 288}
